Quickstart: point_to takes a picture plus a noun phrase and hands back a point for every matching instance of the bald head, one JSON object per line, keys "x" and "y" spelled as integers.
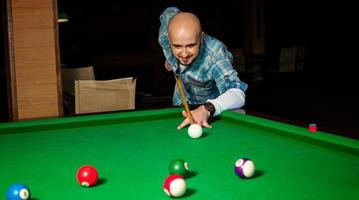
{"x": 184, "y": 22}
{"x": 185, "y": 37}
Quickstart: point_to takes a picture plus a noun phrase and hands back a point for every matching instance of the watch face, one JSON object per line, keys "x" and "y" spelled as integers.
{"x": 210, "y": 107}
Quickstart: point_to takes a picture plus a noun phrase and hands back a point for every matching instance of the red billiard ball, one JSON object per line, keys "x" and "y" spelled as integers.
{"x": 174, "y": 185}
{"x": 87, "y": 176}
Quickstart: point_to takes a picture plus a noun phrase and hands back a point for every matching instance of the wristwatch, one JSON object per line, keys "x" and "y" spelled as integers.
{"x": 210, "y": 108}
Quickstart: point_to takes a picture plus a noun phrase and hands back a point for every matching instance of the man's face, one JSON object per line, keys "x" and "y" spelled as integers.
{"x": 185, "y": 45}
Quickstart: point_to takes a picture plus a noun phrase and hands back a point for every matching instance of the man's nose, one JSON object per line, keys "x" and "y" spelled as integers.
{"x": 184, "y": 52}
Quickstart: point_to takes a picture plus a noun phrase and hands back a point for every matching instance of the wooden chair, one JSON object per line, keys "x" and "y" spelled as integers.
{"x": 69, "y": 76}
{"x": 92, "y": 96}
{"x": 292, "y": 59}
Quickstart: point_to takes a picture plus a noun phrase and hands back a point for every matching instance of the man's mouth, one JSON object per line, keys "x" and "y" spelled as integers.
{"x": 185, "y": 60}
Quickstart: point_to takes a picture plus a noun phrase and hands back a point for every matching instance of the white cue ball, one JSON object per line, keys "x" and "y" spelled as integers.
{"x": 195, "y": 131}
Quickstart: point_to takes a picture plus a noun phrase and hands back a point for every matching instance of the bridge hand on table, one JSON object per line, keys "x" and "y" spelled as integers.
{"x": 200, "y": 116}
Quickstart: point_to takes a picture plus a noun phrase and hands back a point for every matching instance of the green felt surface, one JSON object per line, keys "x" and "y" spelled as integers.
{"x": 132, "y": 151}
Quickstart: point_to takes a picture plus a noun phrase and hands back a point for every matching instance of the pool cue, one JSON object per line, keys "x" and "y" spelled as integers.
{"x": 179, "y": 84}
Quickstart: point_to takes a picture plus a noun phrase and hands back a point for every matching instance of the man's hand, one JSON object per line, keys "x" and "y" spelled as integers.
{"x": 200, "y": 116}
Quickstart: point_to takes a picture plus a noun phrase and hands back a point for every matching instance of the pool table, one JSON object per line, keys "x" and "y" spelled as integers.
{"x": 132, "y": 150}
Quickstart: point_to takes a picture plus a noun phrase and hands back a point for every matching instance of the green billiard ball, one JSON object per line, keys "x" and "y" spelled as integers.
{"x": 178, "y": 166}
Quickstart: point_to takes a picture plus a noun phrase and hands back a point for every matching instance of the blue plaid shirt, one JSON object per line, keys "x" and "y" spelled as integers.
{"x": 210, "y": 74}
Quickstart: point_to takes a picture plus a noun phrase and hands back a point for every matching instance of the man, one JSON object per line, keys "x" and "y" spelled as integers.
{"x": 204, "y": 65}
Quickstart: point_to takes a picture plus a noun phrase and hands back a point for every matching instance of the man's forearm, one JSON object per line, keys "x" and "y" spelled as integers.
{"x": 233, "y": 98}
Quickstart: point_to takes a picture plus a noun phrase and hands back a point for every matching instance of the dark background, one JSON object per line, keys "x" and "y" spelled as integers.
{"x": 119, "y": 38}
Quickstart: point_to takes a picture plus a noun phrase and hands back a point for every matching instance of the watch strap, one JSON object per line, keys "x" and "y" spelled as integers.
{"x": 210, "y": 108}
